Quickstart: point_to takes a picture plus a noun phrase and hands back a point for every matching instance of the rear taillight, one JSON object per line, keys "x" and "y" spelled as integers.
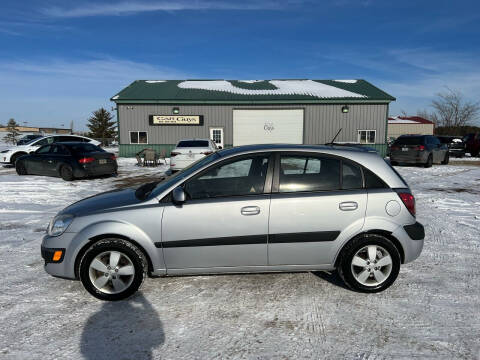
{"x": 394, "y": 148}
{"x": 86, "y": 160}
{"x": 408, "y": 200}
{"x": 173, "y": 153}
{"x": 113, "y": 157}
{"x": 206, "y": 152}
{"x": 419, "y": 148}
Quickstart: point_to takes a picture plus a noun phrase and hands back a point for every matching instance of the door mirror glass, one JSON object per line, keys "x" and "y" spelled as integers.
{"x": 178, "y": 195}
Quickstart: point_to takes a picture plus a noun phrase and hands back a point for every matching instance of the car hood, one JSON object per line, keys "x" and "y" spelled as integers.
{"x": 103, "y": 202}
{"x": 18, "y": 148}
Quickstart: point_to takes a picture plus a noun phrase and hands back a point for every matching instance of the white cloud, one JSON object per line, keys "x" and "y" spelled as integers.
{"x": 52, "y": 91}
{"x": 132, "y": 7}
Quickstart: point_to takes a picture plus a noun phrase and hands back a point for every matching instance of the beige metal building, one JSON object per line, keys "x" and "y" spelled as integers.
{"x": 411, "y": 125}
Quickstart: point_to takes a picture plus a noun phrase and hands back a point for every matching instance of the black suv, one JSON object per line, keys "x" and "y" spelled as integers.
{"x": 456, "y": 146}
{"x": 419, "y": 149}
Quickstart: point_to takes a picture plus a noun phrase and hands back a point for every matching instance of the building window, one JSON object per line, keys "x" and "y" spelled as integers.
{"x": 367, "y": 136}
{"x": 138, "y": 137}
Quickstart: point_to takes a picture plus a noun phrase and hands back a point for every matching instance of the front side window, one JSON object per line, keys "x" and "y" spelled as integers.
{"x": 367, "y": 136}
{"x": 245, "y": 176}
{"x": 44, "y": 149}
{"x": 138, "y": 137}
{"x": 307, "y": 173}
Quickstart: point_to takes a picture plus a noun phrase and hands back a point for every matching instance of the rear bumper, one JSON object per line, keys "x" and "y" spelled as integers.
{"x": 410, "y": 159}
{"x": 411, "y": 248}
{"x": 180, "y": 164}
{"x": 415, "y": 231}
{"x": 95, "y": 170}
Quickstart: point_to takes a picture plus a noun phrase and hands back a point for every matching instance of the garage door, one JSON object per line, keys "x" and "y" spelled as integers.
{"x": 267, "y": 126}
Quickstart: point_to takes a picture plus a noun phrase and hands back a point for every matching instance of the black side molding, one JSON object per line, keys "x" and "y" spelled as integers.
{"x": 415, "y": 231}
{"x": 316, "y": 236}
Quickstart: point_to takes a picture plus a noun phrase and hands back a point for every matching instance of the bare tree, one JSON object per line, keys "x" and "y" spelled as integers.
{"x": 451, "y": 109}
{"x": 424, "y": 113}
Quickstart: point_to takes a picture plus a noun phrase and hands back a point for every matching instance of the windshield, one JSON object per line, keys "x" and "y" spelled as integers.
{"x": 31, "y": 141}
{"x": 172, "y": 179}
{"x": 192, "y": 143}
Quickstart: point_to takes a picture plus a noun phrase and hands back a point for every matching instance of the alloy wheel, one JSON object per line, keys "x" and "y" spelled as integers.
{"x": 111, "y": 272}
{"x": 371, "y": 265}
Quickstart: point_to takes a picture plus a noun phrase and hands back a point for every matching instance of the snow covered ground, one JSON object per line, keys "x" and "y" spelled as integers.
{"x": 432, "y": 311}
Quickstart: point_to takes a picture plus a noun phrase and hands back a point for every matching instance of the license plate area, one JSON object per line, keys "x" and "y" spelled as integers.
{"x": 404, "y": 149}
{"x": 102, "y": 161}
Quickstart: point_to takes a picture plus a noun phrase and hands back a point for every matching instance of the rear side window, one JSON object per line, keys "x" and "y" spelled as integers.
{"x": 372, "y": 181}
{"x": 410, "y": 140}
{"x": 351, "y": 176}
{"x": 44, "y": 150}
{"x": 193, "y": 143}
{"x": 84, "y": 148}
{"x": 307, "y": 173}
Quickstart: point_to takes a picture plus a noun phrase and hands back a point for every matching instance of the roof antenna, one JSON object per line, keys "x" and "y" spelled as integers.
{"x": 333, "y": 140}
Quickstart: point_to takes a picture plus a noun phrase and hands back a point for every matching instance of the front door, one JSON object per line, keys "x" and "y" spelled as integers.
{"x": 314, "y": 200}
{"x": 216, "y": 134}
{"x": 224, "y": 222}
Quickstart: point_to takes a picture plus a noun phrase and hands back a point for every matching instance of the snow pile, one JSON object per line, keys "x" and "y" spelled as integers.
{"x": 283, "y": 87}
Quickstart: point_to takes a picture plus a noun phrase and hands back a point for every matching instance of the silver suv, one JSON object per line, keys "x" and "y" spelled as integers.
{"x": 259, "y": 208}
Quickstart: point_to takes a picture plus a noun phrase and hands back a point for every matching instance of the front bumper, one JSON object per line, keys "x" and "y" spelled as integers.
{"x": 64, "y": 268}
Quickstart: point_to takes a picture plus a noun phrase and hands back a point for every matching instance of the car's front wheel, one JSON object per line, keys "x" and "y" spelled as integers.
{"x": 20, "y": 168}
{"x": 113, "y": 269}
{"x": 370, "y": 263}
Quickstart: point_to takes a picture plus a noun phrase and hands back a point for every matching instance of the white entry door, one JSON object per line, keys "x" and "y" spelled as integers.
{"x": 216, "y": 134}
{"x": 267, "y": 126}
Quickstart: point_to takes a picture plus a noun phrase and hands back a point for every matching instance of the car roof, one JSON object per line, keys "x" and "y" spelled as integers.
{"x": 194, "y": 140}
{"x": 73, "y": 143}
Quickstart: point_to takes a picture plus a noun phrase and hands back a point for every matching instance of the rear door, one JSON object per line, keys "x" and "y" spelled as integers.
{"x": 224, "y": 222}
{"x": 316, "y": 199}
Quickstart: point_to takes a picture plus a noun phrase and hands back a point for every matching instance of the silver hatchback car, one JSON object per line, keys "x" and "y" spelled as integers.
{"x": 259, "y": 208}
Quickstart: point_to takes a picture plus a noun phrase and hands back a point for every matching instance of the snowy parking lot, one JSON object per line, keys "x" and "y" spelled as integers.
{"x": 432, "y": 310}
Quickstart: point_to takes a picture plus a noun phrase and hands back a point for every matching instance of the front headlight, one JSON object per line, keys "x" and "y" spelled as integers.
{"x": 59, "y": 224}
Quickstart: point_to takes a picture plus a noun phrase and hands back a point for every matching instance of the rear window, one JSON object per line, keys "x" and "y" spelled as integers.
{"x": 193, "y": 143}
{"x": 84, "y": 148}
{"x": 410, "y": 140}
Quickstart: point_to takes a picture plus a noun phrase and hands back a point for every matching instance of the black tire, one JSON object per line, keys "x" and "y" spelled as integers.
{"x": 345, "y": 262}
{"x": 474, "y": 153}
{"x": 446, "y": 159}
{"x": 66, "y": 173}
{"x": 20, "y": 168}
{"x": 429, "y": 162}
{"x": 393, "y": 163}
{"x": 124, "y": 247}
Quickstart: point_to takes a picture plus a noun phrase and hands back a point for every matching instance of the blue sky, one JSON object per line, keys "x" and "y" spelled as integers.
{"x": 62, "y": 59}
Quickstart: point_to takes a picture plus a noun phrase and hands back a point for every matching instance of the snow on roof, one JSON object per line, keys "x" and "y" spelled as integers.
{"x": 155, "y": 81}
{"x": 283, "y": 87}
{"x": 408, "y": 120}
{"x": 115, "y": 97}
{"x": 347, "y": 81}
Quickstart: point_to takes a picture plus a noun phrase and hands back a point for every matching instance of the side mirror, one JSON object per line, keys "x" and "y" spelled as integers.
{"x": 178, "y": 196}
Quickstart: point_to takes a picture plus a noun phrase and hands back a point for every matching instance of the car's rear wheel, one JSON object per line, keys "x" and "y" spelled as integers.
{"x": 113, "y": 269}
{"x": 20, "y": 168}
{"x": 429, "y": 161}
{"x": 66, "y": 173}
{"x": 370, "y": 263}
{"x": 446, "y": 159}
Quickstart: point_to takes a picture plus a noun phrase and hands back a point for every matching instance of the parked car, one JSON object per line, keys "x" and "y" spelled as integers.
{"x": 27, "y": 138}
{"x": 190, "y": 150}
{"x": 472, "y": 144}
{"x": 419, "y": 149}
{"x": 257, "y": 208}
{"x": 455, "y": 144}
{"x": 70, "y": 160}
{"x": 11, "y": 155}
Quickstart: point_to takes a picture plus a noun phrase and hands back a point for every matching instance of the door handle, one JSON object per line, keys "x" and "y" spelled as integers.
{"x": 348, "y": 206}
{"x": 250, "y": 210}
